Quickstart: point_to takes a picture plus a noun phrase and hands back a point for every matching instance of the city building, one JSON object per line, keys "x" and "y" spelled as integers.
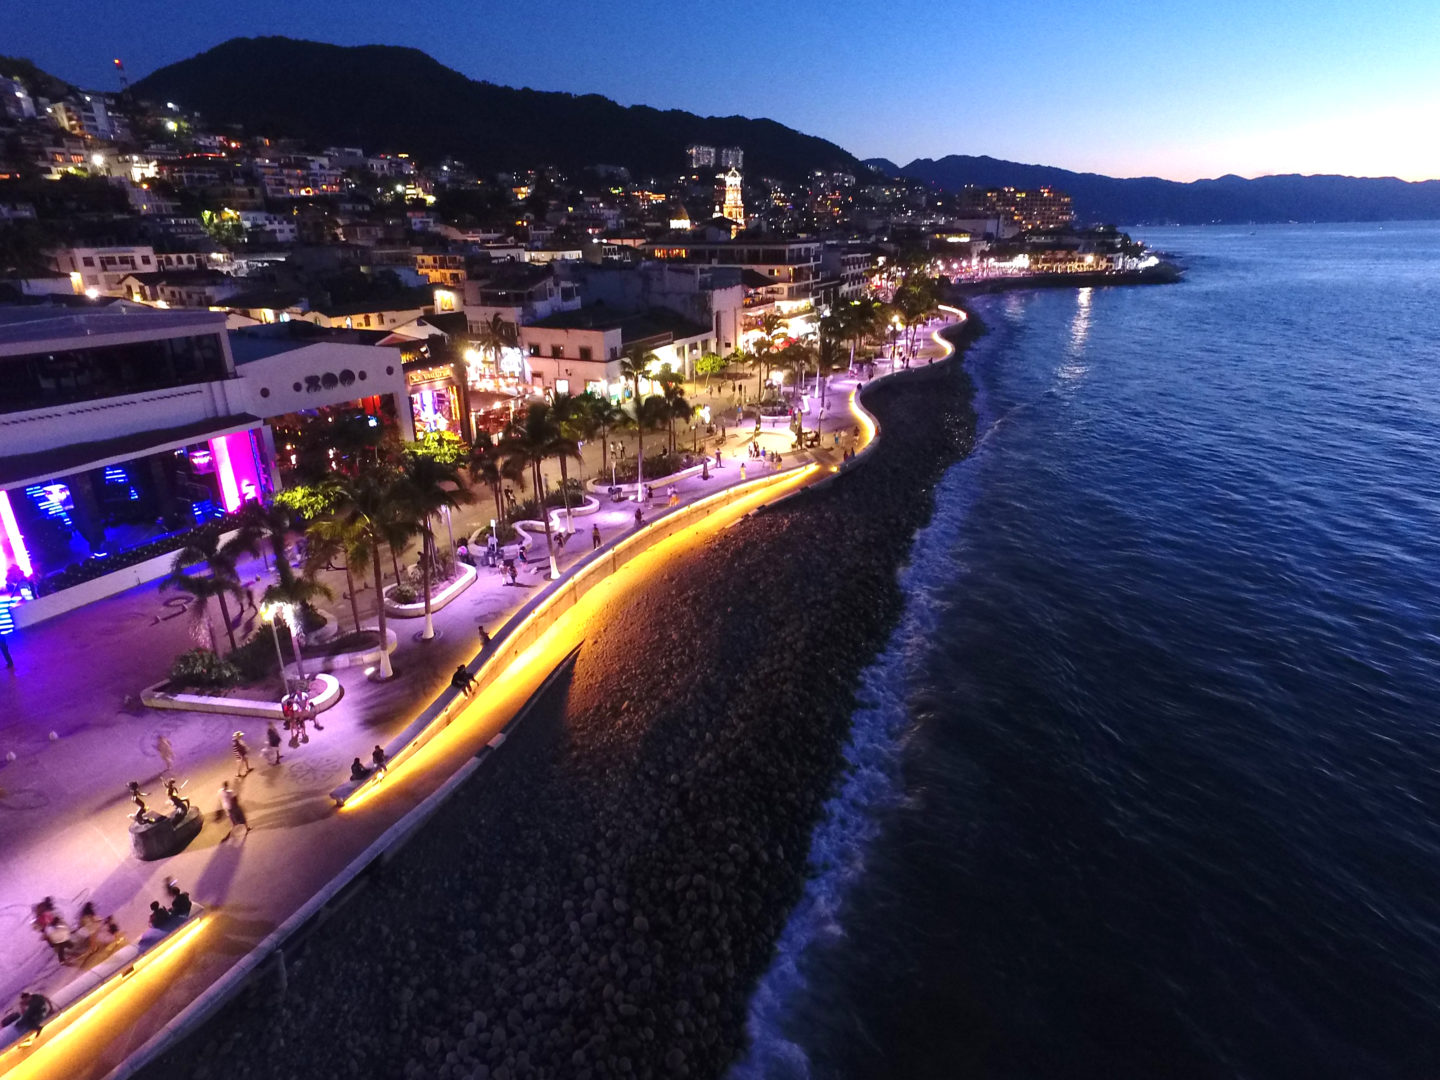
{"x": 1041, "y": 208}
{"x": 706, "y": 295}
{"x": 513, "y": 293}
{"x": 848, "y": 265}
{"x": 440, "y": 268}
{"x": 701, "y": 157}
{"x": 122, "y": 428}
{"x": 778, "y": 275}
{"x": 86, "y": 115}
{"x": 100, "y": 271}
{"x": 15, "y": 101}
{"x": 573, "y": 352}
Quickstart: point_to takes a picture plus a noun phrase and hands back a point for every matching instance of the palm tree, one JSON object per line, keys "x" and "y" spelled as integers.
{"x": 204, "y": 589}
{"x": 488, "y": 467}
{"x": 572, "y": 416}
{"x": 635, "y": 365}
{"x": 606, "y": 417}
{"x": 528, "y": 441}
{"x": 327, "y": 540}
{"x": 916, "y": 301}
{"x": 676, "y": 407}
{"x": 366, "y": 510}
{"x": 221, "y": 580}
{"x": 494, "y": 336}
{"x": 764, "y": 349}
{"x": 428, "y": 486}
{"x": 865, "y": 319}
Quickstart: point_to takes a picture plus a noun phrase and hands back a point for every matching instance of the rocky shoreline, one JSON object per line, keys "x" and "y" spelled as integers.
{"x": 602, "y": 899}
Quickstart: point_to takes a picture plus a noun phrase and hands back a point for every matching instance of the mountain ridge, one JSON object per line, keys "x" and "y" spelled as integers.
{"x": 1228, "y": 199}
{"x": 379, "y": 96}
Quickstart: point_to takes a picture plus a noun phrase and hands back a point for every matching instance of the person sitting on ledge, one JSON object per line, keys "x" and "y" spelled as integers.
{"x": 179, "y": 899}
{"x": 35, "y": 1009}
{"x": 159, "y": 916}
{"x": 357, "y": 771}
{"x": 462, "y": 680}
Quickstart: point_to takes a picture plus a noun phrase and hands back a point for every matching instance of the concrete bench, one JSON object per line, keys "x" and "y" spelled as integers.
{"x": 117, "y": 964}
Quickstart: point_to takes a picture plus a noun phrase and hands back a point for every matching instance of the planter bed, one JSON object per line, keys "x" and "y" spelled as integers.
{"x": 339, "y": 660}
{"x": 438, "y": 598}
{"x": 157, "y": 697}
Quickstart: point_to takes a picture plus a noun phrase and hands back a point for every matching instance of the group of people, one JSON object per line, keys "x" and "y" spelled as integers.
{"x": 90, "y": 935}
{"x": 757, "y": 453}
{"x": 163, "y": 915}
{"x": 378, "y": 763}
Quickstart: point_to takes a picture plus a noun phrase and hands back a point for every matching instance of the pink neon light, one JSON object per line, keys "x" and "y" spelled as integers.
{"x": 12, "y": 534}
{"x": 235, "y": 466}
{"x": 229, "y": 490}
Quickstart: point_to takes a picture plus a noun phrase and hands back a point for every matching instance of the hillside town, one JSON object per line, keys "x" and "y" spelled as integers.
{"x": 263, "y": 403}
{"x": 325, "y": 284}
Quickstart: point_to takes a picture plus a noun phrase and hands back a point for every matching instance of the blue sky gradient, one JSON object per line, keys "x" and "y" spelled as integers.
{"x": 1124, "y": 87}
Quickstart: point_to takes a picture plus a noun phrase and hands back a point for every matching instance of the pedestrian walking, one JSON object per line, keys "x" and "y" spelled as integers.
{"x": 378, "y": 757}
{"x": 514, "y": 574}
{"x": 742, "y": 470}
{"x": 166, "y": 752}
{"x": 241, "y": 752}
{"x": 594, "y": 537}
{"x": 272, "y": 737}
{"x": 484, "y": 639}
{"x": 230, "y": 803}
{"x": 639, "y": 517}
{"x": 5, "y": 648}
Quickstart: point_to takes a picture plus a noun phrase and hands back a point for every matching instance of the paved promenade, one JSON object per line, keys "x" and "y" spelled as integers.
{"x": 64, "y": 811}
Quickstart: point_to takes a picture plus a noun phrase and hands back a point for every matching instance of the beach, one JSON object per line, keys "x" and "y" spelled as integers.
{"x": 602, "y": 897}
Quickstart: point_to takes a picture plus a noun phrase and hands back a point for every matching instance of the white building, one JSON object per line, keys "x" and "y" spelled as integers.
{"x": 99, "y": 271}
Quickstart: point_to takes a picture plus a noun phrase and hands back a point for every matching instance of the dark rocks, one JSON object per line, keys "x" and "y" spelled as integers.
{"x": 607, "y": 895}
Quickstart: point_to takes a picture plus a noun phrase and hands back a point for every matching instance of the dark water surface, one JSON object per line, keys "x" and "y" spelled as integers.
{"x": 1148, "y": 783}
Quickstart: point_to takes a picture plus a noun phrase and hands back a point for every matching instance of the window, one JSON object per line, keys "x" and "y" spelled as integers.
{"x": 88, "y": 261}
{"x": 587, "y": 353}
{"x": 614, "y": 352}
{"x": 534, "y": 350}
{"x": 146, "y": 259}
{"x": 562, "y": 386}
{"x": 557, "y": 352}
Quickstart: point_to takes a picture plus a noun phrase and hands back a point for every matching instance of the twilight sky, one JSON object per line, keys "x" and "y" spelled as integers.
{"x": 1124, "y": 87}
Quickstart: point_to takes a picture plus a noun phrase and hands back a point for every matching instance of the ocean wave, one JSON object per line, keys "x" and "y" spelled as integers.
{"x": 871, "y": 783}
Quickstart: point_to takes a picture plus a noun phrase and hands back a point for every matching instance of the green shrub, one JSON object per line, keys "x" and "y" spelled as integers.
{"x": 662, "y": 464}
{"x": 255, "y": 659}
{"x": 403, "y": 593}
{"x": 202, "y": 668}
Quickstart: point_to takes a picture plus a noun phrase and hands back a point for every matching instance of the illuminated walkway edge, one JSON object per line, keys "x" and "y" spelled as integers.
{"x": 510, "y": 644}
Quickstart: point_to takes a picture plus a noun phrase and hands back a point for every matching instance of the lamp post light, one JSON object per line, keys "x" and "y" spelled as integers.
{"x": 272, "y": 614}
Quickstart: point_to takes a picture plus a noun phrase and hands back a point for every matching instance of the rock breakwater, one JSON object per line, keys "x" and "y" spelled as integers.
{"x": 601, "y": 900}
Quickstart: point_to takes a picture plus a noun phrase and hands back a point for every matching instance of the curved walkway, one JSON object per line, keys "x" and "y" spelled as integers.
{"x": 62, "y": 802}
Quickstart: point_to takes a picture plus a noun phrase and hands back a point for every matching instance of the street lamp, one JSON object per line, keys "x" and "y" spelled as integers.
{"x": 274, "y": 613}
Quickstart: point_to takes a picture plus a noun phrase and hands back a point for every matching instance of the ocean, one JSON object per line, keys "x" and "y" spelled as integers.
{"x": 1147, "y": 782}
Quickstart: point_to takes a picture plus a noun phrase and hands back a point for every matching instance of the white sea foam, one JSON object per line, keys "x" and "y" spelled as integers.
{"x": 872, "y": 782}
